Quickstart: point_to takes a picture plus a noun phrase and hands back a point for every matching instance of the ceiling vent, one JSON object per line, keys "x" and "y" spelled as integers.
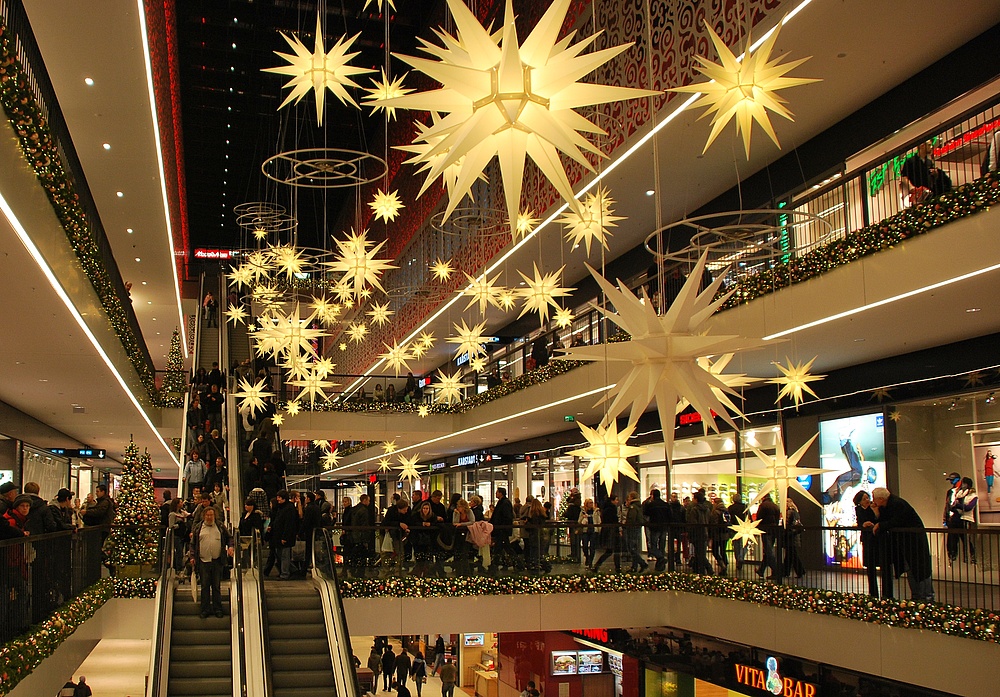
{"x": 77, "y": 409}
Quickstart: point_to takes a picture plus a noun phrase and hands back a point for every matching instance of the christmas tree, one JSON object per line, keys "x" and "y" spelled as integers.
{"x": 172, "y": 391}
{"x": 135, "y": 533}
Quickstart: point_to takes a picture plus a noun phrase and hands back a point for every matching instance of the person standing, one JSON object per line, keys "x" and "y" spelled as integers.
{"x": 194, "y": 472}
{"x": 698, "y": 518}
{"x": 375, "y": 666}
{"x": 284, "y": 528}
{"x": 657, "y": 514}
{"x": 590, "y": 524}
{"x": 769, "y": 516}
{"x": 212, "y": 404}
{"x": 633, "y": 532}
{"x": 8, "y": 492}
{"x": 388, "y": 666}
{"x": 872, "y": 547}
{"x": 611, "y": 534}
{"x": 964, "y": 507}
{"x": 211, "y": 308}
{"x": 402, "y": 667}
{"x": 82, "y": 688}
{"x": 438, "y": 655}
{"x": 211, "y": 548}
{"x": 572, "y": 516}
{"x": 503, "y": 525}
{"x": 449, "y": 676}
{"x": 418, "y": 671}
{"x": 793, "y": 527}
{"x": 910, "y": 548}
{"x": 738, "y": 509}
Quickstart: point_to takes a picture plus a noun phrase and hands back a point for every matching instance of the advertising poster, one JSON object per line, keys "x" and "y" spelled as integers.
{"x": 986, "y": 482}
{"x": 564, "y": 662}
{"x": 853, "y": 449}
{"x": 590, "y": 662}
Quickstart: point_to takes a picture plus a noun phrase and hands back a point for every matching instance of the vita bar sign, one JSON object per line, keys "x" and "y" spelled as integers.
{"x": 770, "y": 681}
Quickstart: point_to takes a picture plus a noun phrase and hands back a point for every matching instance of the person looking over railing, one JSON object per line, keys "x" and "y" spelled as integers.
{"x": 921, "y": 178}
{"x": 909, "y": 548}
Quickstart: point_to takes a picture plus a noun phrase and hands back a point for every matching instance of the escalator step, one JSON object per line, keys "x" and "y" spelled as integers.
{"x": 305, "y": 692}
{"x": 298, "y": 617}
{"x": 297, "y": 646}
{"x": 196, "y": 623}
{"x": 201, "y": 669}
{"x": 314, "y": 661}
{"x": 186, "y": 637}
{"x": 199, "y": 687}
{"x": 294, "y": 601}
{"x": 190, "y": 609}
{"x": 200, "y": 652}
{"x": 302, "y": 678}
{"x": 296, "y": 631}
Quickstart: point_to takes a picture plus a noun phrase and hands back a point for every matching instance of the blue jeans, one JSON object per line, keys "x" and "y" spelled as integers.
{"x": 284, "y": 563}
{"x": 588, "y": 541}
{"x": 657, "y": 544}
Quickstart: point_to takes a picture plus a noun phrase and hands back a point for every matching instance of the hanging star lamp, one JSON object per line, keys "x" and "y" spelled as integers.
{"x": 608, "y": 452}
{"x": 795, "y": 380}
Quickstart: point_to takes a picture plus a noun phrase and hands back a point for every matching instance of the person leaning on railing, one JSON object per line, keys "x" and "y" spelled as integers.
{"x": 909, "y": 548}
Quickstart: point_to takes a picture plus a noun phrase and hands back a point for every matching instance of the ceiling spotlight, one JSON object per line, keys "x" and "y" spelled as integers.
{"x": 144, "y": 283}
{"x": 129, "y": 230}
{"x": 953, "y": 406}
{"x": 119, "y": 194}
{"x": 138, "y": 259}
{"x": 107, "y": 146}
{"x": 650, "y": 192}
{"x": 89, "y": 81}
{"x": 973, "y": 309}
{"x": 992, "y": 398}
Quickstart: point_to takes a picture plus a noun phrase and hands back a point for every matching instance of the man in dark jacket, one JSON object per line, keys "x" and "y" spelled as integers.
{"x": 503, "y": 521}
{"x": 103, "y": 510}
{"x": 675, "y": 533}
{"x": 388, "y": 666}
{"x": 572, "y": 516}
{"x": 284, "y": 528}
{"x": 908, "y": 550}
{"x": 40, "y": 519}
{"x": 362, "y": 539}
{"x": 769, "y": 516}
{"x": 8, "y": 492}
{"x": 310, "y": 521}
{"x": 657, "y": 513}
{"x": 699, "y": 515}
{"x": 738, "y": 509}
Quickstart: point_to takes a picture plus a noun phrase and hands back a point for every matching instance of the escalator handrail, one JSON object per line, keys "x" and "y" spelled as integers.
{"x": 196, "y": 357}
{"x": 326, "y": 575}
{"x": 162, "y": 620}
{"x": 258, "y": 564}
{"x": 239, "y": 624}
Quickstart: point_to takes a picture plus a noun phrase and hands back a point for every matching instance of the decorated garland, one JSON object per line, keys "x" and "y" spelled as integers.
{"x": 966, "y": 200}
{"x": 946, "y": 619}
{"x": 41, "y": 152}
{"x": 135, "y": 587}
{"x": 20, "y": 656}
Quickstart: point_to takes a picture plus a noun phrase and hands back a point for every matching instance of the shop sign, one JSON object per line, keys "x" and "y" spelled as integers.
{"x": 594, "y": 634}
{"x": 771, "y": 681}
{"x": 203, "y": 253}
{"x": 435, "y": 466}
{"x": 467, "y": 460}
{"x": 692, "y": 418}
{"x": 79, "y": 452}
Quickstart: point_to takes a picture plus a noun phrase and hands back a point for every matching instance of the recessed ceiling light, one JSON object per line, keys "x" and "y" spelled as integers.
{"x": 973, "y": 309}
{"x": 42, "y": 380}
{"x": 149, "y": 302}
{"x": 650, "y": 192}
{"x": 107, "y": 146}
{"x": 89, "y": 81}
{"x": 129, "y": 230}
{"x": 145, "y": 283}
{"x": 119, "y": 194}
{"x": 138, "y": 259}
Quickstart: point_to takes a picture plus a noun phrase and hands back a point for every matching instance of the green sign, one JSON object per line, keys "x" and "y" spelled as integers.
{"x": 569, "y": 417}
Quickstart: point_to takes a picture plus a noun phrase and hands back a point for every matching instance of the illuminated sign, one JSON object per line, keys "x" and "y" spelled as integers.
{"x": 437, "y": 466}
{"x": 595, "y": 634}
{"x": 204, "y": 253}
{"x": 467, "y": 460}
{"x": 771, "y": 681}
{"x": 81, "y": 452}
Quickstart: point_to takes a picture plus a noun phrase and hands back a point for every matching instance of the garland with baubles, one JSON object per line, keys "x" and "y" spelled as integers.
{"x": 946, "y": 619}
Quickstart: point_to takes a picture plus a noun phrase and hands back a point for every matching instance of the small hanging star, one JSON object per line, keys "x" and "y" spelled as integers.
{"x": 389, "y": 447}
{"x": 507, "y": 299}
{"x": 322, "y": 444}
{"x": 384, "y": 88}
{"x": 608, "y": 452}
{"x": 330, "y": 460}
{"x": 260, "y": 233}
{"x": 526, "y": 222}
{"x": 251, "y": 396}
{"x": 563, "y": 317}
{"x": 292, "y": 408}
{"x": 482, "y": 290}
{"x": 592, "y": 222}
{"x": 477, "y": 364}
{"x": 417, "y": 349}
{"x": 795, "y": 380}
{"x": 426, "y": 339}
{"x": 241, "y": 276}
{"x": 380, "y": 314}
{"x": 384, "y": 464}
{"x": 895, "y": 416}
{"x": 277, "y": 419}
{"x": 324, "y": 366}
{"x": 441, "y": 269}
{"x": 386, "y": 205}
{"x": 880, "y": 394}
{"x": 746, "y": 530}
{"x": 357, "y": 332}
{"x": 449, "y": 387}
{"x": 396, "y": 356}
{"x": 342, "y": 346}
{"x": 975, "y": 378}
{"x": 409, "y": 467}
{"x": 423, "y": 410}
{"x": 470, "y": 340}
{"x": 541, "y": 292}
{"x": 236, "y": 315}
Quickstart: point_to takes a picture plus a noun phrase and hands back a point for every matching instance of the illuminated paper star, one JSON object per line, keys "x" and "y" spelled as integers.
{"x": 426, "y": 339}
{"x": 313, "y": 386}
{"x": 380, "y": 314}
{"x": 482, "y": 290}
{"x": 409, "y": 467}
{"x": 664, "y": 352}
{"x": 795, "y": 380}
{"x": 331, "y": 460}
{"x": 258, "y": 265}
{"x": 880, "y": 394}
{"x": 591, "y": 222}
{"x": 507, "y": 299}
{"x": 342, "y": 346}
{"x": 384, "y": 464}
{"x": 324, "y": 366}
{"x": 733, "y": 381}
{"x": 417, "y": 349}
{"x": 449, "y": 387}
{"x": 541, "y": 292}
{"x": 782, "y": 472}
{"x": 241, "y": 276}
{"x": 427, "y": 157}
{"x": 344, "y": 292}
{"x": 396, "y": 357}
{"x": 322, "y": 444}
{"x": 895, "y": 415}
{"x": 744, "y": 91}
{"x": 318, "y": 70}
{"x": 359, "y": 264}
{"x": 512, "y": 101}
{"x": 608, "y": 452}
{"x": 278, "y": 420}
{"x": 746, "y": 530}
{"x": 384, "y": 88}
{"x": 563, "y": 317}
{"x": 526, "y": 222}
{"x": 442, "y": 270}
{"x": 470, "y": 340}
{"x": 357, "y": 332}
{"x": 423, "y": 410}
{"x": 386, "y": 205}
{"x": 287, "y": 260}
{"x": 265, "y": 295}
{"x": 390, "y": 3}
{"x": 260, "y": 233}
{"x": 236, "y": 314}
{"x": 975, "y": 378}
{"x": 477, "y": 364}
{"x": 251, "y": 396}
{"x": 389, "y": 447}
{"x": 291, "y": 334}
{"x": 292, "y": 408}
{"x": 325, "y": 310}
{"x": 297, "y": 365}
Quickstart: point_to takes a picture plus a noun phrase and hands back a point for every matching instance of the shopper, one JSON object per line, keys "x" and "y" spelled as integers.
{"x": 388, "y": 667}
{"x": 657, "y": 514}
{"x": 910, "y": 549}
{"x": 439, "y": 652}
{"x": 633, "y": 532}
{"x": 698, "y": 518}
{"x": 738, "y": 509}
{"x": 793, "y": 531}
{"x": 590, "y": 525}
{"x": 211, "y": 549}
{"x": 503, "y": 525}
{"x": 610, "y": 536}
{"x": 964, "y": 507}
{"x": 572, "y": 516}
{"x": 402, "y": 667}
{"x": 719, "y": 534}
{"x": 375, "y": 666}
{"x": 769, "y": 516}
{"x": 873, "y": 550}
{"x": 418, "y": 671}
{"x": 449, "y": 676}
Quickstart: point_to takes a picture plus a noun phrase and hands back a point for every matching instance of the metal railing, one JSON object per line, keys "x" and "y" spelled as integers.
{"x": 38, "y": 573}
{"x": 163, "y": 620}
{"x": 258, "y": 566}
{"x": 339, "y": 637}
{"x": 830, "y": 558}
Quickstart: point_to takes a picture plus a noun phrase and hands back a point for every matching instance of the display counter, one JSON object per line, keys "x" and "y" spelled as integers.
{"x": 486, "y": 684}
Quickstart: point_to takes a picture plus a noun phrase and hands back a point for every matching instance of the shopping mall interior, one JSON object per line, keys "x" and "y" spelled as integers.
{"x": 376, "y": 257}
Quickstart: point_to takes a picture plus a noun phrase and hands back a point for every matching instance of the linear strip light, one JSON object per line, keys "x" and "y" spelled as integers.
{"x": 494, "y": 422}
{"x": 162, "y": 172}
{"x": 880, "y": 303}
{"x": 57, "y": 287}
{"x": 559, "y": 211}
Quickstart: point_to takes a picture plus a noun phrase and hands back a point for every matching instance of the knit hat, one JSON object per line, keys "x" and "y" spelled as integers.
{"x": 7, "y": 487}
{"x": 23, "y": 498}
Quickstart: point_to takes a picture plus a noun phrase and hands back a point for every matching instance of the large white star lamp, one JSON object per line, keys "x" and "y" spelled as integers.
{"x": 664, "y": 353}
{"x": 782, "y": 472}
{"x": 608, "y": 452}
{"x": 511, "y": 101}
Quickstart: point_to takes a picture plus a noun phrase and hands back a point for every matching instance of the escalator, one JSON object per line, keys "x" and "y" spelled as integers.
{"x": 300, "y": 652}
{"x": 201, "y": 650}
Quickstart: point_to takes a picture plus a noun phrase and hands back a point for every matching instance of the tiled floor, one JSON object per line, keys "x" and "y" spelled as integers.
{"x": 432, "y": 688}
{"x": 117, "y": 668}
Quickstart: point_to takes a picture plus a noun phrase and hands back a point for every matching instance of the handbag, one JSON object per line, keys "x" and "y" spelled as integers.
{"x": 387, "y": 546}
